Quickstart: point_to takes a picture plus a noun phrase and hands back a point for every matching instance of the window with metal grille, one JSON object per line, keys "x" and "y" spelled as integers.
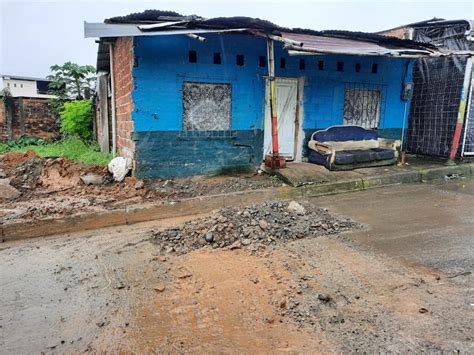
{"x": 362, "y": 107}
{"x": 206, "y": 106}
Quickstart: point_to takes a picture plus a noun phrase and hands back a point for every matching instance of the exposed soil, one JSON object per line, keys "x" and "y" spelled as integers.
{"x": 200, "y": 186}
{"x": 53, "y": 188}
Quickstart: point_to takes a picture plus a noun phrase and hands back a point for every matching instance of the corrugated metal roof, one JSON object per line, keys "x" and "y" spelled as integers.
{"x": 298, "y": 43}
{"x": 100, "y": 30}
{"x": 156, "y": 22}
{"x": 18, "y": 77}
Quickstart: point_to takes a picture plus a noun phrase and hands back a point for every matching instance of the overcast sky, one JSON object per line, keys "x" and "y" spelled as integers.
{"x": 37, "y": 34}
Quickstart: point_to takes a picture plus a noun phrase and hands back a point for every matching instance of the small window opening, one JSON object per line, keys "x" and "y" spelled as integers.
{"x": 375, "y": 68}
{"x": 240, "y": 59}
{"x": 14, "y": 85}
{"x": 302, "y": 64}
{"x": 217, "y": 58}
{"x": 357, "y": 67}
{"x": 8, "y": 84}
{"x": 340, "y": 66}
{"x": 21, "y": 85}
{"x": 321, "y": 65}
{"x": 262, "y": 61}
{"x": 193, "y": 57}
{"x": 282, "y": 63}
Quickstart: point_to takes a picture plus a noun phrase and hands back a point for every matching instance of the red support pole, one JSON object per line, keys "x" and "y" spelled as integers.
{"x": 461, "y": 111}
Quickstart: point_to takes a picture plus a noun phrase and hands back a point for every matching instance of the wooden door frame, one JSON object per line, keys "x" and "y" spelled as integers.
{"x": 299, "y": 133}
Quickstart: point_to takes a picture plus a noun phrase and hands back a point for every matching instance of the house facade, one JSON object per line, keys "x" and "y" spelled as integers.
{"x": 197, "y": 102}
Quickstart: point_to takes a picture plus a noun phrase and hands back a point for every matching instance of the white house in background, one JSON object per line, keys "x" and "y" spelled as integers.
{"x": 22, "y": 86}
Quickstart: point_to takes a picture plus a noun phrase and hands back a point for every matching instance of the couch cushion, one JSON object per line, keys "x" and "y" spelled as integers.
{"x": 383, "y": 154}
{"x": 344, "y": 133}
{"x": 355, "y": 156}
{"x": 353, "y": 145}
{"x": 344, "y": 158}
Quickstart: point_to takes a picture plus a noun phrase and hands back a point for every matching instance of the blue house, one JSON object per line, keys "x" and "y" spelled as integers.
{"x": 189, "y": 96}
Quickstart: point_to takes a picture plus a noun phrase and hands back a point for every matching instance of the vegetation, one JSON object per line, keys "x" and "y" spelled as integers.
{"x": 76, "y": 119}
{"x": 70, "y": 81}
{"x": 71, "y": 148}
{"x": 24, "y": 141}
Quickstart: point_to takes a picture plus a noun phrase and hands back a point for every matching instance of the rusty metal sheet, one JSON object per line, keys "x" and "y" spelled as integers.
{"x": 303, "y": 43}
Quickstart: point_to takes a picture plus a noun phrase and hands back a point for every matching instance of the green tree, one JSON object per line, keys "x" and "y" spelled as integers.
{"x": 76, "y": 119}
{"x": 70, "y": 81}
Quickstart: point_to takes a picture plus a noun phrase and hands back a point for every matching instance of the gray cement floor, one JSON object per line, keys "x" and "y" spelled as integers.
{"x": 429, "y": 225}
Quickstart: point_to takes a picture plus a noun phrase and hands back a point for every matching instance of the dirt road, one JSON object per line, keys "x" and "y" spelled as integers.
{"x": 402, "y": 284}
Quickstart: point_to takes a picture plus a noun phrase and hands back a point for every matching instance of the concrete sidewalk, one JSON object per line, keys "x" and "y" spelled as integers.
{"x": 361, "y": 179}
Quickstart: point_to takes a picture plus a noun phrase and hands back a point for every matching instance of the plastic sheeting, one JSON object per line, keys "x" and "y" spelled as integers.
{"x": 437, "y": 91}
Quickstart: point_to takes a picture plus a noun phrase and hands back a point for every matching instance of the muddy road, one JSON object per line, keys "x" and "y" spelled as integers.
{"x": 402, "y": 283}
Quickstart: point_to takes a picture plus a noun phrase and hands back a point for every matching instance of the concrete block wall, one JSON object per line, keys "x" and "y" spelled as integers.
{"x": 162, "y": 66}
{"x": 123, "y": 64}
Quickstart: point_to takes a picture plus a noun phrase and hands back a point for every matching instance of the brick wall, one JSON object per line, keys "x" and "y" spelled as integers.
{"x": 123, "y": 64}
{"x": 3, "y": 122}
{"x": 29, "y": 116}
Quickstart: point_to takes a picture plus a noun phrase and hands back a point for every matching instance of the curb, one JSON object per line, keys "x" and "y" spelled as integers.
{"x": 204, "y": 204}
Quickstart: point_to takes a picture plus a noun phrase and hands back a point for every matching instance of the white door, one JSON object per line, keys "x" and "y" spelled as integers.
{"x": 286, "y": 91}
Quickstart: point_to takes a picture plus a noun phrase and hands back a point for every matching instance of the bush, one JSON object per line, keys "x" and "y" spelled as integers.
{"x": 25, "y": 141}
{"x": 76, "y": 119}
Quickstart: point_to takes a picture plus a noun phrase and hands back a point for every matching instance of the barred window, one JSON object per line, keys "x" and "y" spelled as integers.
{"x": 206, "y": 106}
{"x": 362, "y": 107}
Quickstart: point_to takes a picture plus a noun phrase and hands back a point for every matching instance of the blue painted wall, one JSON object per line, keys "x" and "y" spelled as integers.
{"x": 161, "y": 67}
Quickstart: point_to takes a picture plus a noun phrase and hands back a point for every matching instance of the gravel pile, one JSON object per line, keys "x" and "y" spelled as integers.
{"x": 255, "y": 227}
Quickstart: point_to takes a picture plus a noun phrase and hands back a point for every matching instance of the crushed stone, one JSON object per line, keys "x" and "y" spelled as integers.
{"x": 255, "y": 227}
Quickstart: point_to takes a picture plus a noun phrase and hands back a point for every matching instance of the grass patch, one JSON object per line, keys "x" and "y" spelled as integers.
{"x": 70, "y": 148}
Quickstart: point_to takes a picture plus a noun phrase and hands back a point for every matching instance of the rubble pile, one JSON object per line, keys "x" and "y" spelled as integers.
{"x": 255, "y": 227}
{"x": 25, "y": 175}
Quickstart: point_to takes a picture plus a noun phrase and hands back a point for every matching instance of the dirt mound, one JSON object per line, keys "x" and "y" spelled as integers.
{"x": 260, "y": 225}
{"x": 12, "y": 159}
{"x": 62, "y": 173}
{"x": 179, "y": 188}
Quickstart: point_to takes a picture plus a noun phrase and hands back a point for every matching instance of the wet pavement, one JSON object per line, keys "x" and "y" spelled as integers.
{"x": 403, "y": 284}
{"x": 430, "y": 225}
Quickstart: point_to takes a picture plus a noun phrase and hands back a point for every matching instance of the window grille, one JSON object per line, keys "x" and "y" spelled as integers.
{"x": 206, "y": 106}
{"x": 363, "y": 105}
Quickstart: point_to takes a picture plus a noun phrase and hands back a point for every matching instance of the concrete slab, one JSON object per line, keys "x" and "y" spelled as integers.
{"x": 429, "y": 225}
{"x": 300, "y": 174}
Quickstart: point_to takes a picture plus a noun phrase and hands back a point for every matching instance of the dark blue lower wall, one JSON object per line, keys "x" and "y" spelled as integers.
{"x": 165, "y": 154}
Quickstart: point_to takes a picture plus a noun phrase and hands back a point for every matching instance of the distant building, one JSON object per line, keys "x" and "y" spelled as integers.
{"x": 22, "y": 86}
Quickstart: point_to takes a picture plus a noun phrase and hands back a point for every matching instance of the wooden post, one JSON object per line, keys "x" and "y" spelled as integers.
{"x": 273, "y": 104}
{"x": 461, "y": 111}
{"x": 112, "y": 89}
